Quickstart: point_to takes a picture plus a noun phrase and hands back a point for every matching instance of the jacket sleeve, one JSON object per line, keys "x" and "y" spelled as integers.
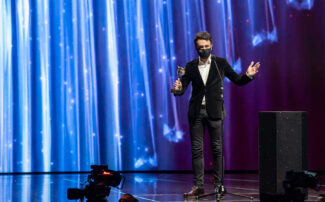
{"x": 233, "y": 76}
{"x": 186, "y": 79}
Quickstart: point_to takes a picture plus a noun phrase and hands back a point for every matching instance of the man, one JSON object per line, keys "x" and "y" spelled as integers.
{"x": 206, "y": 107}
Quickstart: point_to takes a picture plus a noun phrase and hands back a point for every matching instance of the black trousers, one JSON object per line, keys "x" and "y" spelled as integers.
{"x": 215, "y": 129}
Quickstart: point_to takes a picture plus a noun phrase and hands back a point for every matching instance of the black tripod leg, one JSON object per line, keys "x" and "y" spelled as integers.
{"x": 205, "y": 195}
{"x": 240, "y": 195}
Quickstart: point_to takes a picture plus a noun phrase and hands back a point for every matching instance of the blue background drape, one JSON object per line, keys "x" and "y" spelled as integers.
{"x": 88, "y": 82}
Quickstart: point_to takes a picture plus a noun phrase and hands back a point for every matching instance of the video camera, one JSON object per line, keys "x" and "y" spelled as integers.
{"x": 98, "y": 185}
{"x": 295, "y": 186}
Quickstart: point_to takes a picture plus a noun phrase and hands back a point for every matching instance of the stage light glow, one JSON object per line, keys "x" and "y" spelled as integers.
{"x": 172, "y": 134}
{"x": 6, "y": 89}
{"x": 301, "y": 4}
{"x": 43, "y": 88}
{"x": 268, "y": 30}
{"x": 113, "y": 128}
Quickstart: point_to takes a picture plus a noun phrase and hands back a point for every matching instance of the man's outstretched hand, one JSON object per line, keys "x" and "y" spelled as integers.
{"x": 253, "y": 69}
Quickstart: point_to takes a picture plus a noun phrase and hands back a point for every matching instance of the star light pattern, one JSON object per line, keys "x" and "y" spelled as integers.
{"x": 88, "y": 82}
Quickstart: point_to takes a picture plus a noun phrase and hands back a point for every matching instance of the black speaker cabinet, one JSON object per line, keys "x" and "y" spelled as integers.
{"x": 282, "y": 147}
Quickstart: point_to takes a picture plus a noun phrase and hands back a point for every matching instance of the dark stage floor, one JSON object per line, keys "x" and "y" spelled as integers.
{"x": 144, "y": 186}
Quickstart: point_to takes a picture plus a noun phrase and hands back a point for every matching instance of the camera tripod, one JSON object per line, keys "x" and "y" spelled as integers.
{"x": 218, "y": 195}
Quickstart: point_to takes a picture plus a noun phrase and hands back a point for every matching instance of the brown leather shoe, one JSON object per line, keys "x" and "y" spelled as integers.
{"x": 196, "y": 191}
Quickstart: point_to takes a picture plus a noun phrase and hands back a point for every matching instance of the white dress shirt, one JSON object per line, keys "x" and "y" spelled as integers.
{"x": 204, "y": 69}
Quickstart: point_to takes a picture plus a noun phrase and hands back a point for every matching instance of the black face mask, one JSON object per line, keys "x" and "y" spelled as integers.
{"x": 204, "y": 53}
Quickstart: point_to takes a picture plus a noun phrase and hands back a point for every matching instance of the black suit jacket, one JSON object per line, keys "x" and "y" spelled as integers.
{"x": 213, "y": 90}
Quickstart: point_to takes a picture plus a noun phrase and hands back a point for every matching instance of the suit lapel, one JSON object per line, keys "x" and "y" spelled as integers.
{"x": 212, "y": 72}
{"x": 197, "y": 71}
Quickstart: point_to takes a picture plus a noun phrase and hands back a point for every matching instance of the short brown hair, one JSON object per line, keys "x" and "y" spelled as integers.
{"x": 202, "y": 36}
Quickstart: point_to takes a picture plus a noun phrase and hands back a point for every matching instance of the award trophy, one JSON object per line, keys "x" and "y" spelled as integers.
{"x": 180, "y": 72}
